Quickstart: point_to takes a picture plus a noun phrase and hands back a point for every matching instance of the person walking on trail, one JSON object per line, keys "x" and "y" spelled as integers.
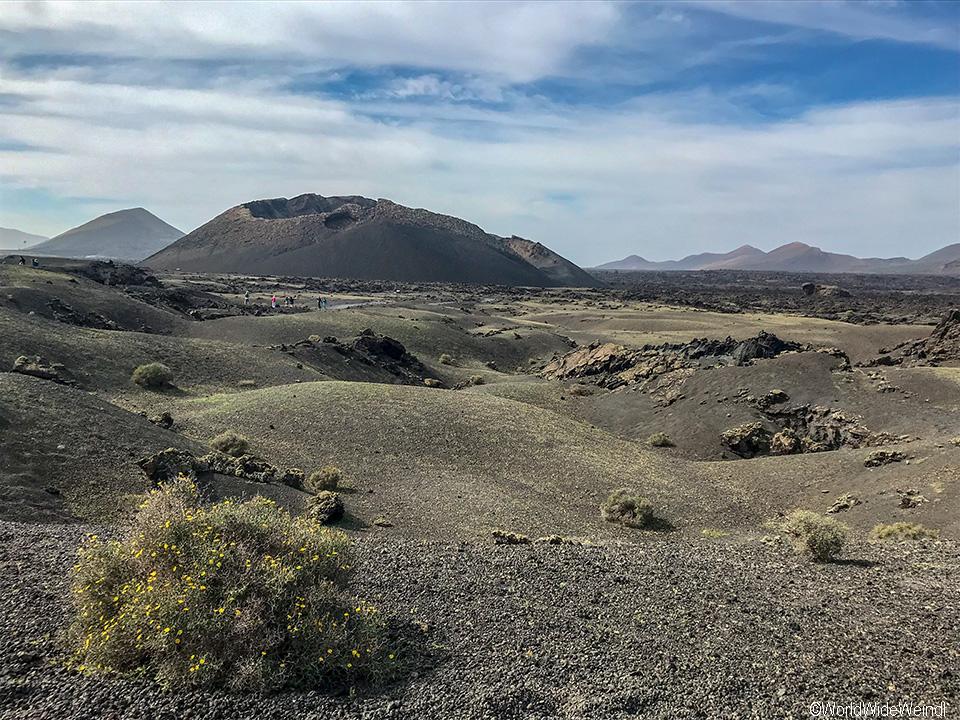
{"x": 273, "y": 302}
{"x": 22, "y": 261}
{"x": 319, "y": 303}
{"x": 246, "y": 297}
{"x": 324, "y": 303}
{"x": 35, "y": 263}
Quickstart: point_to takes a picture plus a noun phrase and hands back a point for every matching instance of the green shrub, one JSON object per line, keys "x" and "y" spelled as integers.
{"x": 152, "y": 376}
{"x": 902, "y": 531}
{"x": 328, "y": 477}
{"x": 231, "y": 443}
{"x": 446, "y": 359}
{"x": 239, "y": 595}
{"x": 820, "y": 537}
{"x": 660, "y": 439}
{"x": 625, "y": 507}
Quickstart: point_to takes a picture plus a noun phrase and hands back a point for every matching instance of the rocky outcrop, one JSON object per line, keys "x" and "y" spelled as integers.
{"x": 377, "y": 352}
{"x": 883, "y": 457}
{"x": 37, "y": 367}
{"x": 610, "y": 365}
{"x": 942, "y": 346}
{"x": 168, "y": 464}
{"x": 326, "y": 507}
{"x": 747, "y": 440}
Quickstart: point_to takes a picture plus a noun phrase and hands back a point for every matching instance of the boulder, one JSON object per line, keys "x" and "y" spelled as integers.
{"x": 326, "y": 507}
{"x": 748, "y": 440}
{"x": 785, "y": 442}
{"x": 37, "y": 367}
{"x": 883, "y": 457}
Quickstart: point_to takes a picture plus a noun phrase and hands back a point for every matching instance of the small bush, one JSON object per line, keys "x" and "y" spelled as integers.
{"x": 579, "y": 390}
{"x": 246, "y": 384}
{"x": 152, "y": 376}
{"x": 902, "y": 531}
{"x": 446, "y": 359}
{"x": 820, "y": 537}
{"x": 231, "y": 443}
{"x": 432, "y": 383}
{"x": 660, "y": 439}
{"x": 476, "y": 380}
{"x": 239, "y": 595}
{"x": 328, "y": 477}
{"x": 625, "y": 507}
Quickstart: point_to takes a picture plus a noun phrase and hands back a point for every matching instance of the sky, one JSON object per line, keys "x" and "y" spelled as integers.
{"x": 599, "y": 129}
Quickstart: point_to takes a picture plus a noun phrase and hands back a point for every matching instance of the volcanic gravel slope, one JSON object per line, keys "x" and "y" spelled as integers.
{"x": 659, "y": 629}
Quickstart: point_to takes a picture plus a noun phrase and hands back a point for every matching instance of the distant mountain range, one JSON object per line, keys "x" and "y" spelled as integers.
{"x": 18, "y": 240}
{"x": 128, "y": 235}
{"x": 358, "y": 237}
{"x": 799, "y": 257}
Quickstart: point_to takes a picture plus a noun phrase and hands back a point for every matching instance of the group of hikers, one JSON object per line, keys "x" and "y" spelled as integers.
{"x": 287, "y": 300}
{"x": 33, "y": 262}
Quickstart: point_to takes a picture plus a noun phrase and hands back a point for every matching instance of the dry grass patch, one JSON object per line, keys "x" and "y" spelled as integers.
{"x": 231, "y": 443}
{"x": 153, "y": 376}
{"x": 902, "y": 531}
{"x": 820, "y": 537}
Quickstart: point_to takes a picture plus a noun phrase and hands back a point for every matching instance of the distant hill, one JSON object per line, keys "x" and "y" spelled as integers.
{"x": 126, "y": 235}
{"x": 357, "y": 237}
{"x": 17, "y": 239}
{"x": 800, "y": 257}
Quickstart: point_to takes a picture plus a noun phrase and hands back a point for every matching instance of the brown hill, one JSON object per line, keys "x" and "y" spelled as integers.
{"x": 800, "y": 257}
{"x": 351, "y": 236}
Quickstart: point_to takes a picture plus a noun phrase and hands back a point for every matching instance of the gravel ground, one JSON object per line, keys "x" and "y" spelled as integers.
{"x": 670, "y": 627}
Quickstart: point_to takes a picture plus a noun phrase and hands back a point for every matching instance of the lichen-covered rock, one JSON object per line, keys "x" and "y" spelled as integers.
{"x": 168, "y": 464}
{"x": 37, "y": 367}
{"x": 504, "y": 537}
{"x": 785, "y": 442}
{"x": 326, "y": 507}
{"x": 748, "y": 440}
{"x": 843, "y": 503}
{"x": 883, "y": 457}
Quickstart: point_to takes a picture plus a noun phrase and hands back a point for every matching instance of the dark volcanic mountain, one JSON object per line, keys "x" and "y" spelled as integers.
{"x": 799, "y": 257}
{"x": 357, "y": 237}
{"x": 126, "y": 235}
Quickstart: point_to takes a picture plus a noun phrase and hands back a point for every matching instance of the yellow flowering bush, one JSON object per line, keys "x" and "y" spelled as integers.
{"x": 240, "y": 595}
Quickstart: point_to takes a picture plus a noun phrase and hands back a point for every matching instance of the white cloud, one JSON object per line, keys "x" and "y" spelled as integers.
{"x": 518, "y": 41}
{"x": 875, "y": 178}
{"x": 852, "y": 18}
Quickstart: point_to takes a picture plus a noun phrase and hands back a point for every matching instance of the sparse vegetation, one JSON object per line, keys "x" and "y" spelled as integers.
{"x": 820, "y": 537}
{"x": 902, "y": 531}
{"x": 239, "y": 595}
{"x": 246, "y": 384}
{"x": 446, "y": 359}
{"x": 432, "y": 383}
{"x": 579, "y": 390}
{"x": 627, "y": 508}
{"x": 328, "y": 477}
{"x": 714, "y": 533}
{"x": 660, "y": 439}
{"x": 231, "y": 443}
{"x": 476, "y": 380}
{"x": 153, "y": 376}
